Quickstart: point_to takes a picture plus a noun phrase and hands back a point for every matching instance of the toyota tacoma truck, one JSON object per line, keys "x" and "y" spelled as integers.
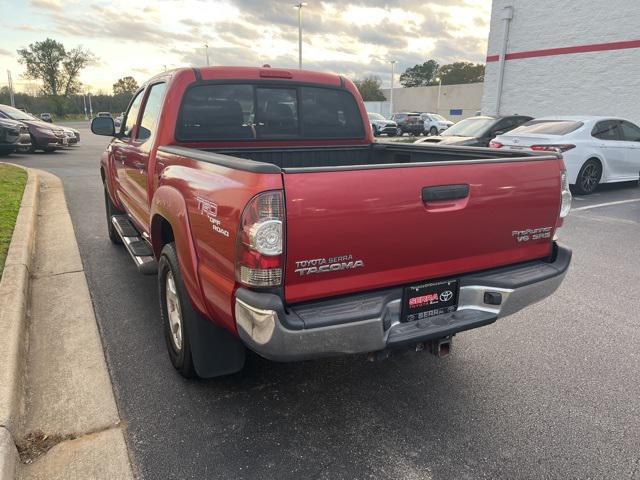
{"x": 274, "y": 222}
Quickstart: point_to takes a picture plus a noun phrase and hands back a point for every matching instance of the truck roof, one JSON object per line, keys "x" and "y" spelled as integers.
{"x": 258, "y": 73}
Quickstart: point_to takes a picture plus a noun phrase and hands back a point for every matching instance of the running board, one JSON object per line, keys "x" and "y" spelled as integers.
{"x": 137, "y": 247}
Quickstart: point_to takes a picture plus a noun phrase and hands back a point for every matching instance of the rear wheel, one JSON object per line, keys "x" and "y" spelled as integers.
{"x": 111, "y": 210}
{"x": 174, "y": 307}
{"x": 375, "y": 131}
{"x": 588, "y": 177}
{"x": 433, "y": 131}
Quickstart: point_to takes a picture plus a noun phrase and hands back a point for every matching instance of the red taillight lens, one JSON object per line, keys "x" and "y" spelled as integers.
{"x": 552, "y": 148}
{"x": 260, "y": 252}
{"x": 494, "y": 144}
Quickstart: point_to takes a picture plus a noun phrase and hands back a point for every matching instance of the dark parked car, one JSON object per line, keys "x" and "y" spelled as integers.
{"x": 13, "y": 135}
{"x": 477, "y": 131}
{"x": 46, "y": 117}
{"x": 44, "y": 136}
{"x": 411, "y": 123}
{"x": 381, "y": 125}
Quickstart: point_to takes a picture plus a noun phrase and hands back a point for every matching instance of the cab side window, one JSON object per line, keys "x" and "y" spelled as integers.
{"x": 151, "y": 112}
{"x": 607, "y": 130}
{"x": 132, "y": 115}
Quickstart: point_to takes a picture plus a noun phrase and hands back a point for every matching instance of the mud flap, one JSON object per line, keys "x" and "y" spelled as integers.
{"x": 215, "y": 350}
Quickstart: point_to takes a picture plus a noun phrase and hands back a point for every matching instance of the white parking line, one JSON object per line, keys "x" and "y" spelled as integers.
{"x": 598, "y": 205}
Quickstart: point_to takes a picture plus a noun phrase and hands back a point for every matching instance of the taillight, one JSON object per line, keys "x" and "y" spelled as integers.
{"x": 260, "y": 252}
{"x": 552, "y": 148}
{"x": 565, "y": 195}
{"x": 494, "y": 144}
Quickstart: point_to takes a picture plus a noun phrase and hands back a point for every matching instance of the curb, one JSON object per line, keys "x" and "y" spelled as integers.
{"x": 14, "y": 291}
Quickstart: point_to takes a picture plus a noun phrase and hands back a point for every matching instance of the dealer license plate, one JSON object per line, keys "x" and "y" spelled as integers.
{"x": 429, "y": 299}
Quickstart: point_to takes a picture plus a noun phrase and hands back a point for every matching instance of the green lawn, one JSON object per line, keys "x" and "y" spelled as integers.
{"x": 12, "y": 181}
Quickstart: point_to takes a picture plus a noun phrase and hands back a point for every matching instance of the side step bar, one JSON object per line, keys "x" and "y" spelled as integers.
{"x": 137, "y": 247}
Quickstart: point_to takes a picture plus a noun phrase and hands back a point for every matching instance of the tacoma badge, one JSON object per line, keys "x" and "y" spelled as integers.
{"x": 324, "y": 265}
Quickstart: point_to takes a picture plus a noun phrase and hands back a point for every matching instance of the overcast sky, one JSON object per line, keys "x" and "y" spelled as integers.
{"x": 141, "y": 37}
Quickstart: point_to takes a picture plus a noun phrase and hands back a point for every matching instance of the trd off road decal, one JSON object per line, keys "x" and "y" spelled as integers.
{"x": 210, "y": 210}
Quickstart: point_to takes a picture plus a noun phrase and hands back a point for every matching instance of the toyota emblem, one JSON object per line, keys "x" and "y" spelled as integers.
{"x": 446, "y": 296}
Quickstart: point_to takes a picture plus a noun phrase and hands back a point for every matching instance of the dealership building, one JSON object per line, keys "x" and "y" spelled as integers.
{"x": 564, "y": 58}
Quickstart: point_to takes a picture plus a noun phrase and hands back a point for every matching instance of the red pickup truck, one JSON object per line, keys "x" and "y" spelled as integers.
{"x": 274, "y": 222}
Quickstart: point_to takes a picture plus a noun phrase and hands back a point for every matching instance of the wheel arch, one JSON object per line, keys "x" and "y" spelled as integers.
{"x": 170, "y": 222}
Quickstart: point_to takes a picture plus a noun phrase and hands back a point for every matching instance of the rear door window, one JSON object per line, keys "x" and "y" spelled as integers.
{"x": 607, "y": 130}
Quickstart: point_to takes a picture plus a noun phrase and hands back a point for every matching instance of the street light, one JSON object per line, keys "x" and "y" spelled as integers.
{"x": 206, "y": 53}
{"x": 299, "y": 7}
{"x": 439, "y": 80}
{"x": 393, "y": 74}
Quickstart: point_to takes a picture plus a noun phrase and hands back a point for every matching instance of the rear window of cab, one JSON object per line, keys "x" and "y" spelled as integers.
{"x": 212, "y": 112}
{"x": 548, "y": 127}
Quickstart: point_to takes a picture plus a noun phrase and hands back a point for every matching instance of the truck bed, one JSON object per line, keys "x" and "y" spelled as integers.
{"x": 378, "y": 154}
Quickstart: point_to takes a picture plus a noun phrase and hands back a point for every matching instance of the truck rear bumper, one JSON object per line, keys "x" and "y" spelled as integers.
{"x": 371, "y": 322}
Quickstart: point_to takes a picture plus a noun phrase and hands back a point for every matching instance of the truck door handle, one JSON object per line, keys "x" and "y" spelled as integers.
{"x": 445, "y": 192}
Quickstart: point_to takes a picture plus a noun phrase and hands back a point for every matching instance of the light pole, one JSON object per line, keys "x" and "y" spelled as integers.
{"x": 90, "y": 106}
{"x": 439, "y": 80}
{"x": 11, "y": 97}
{"x": 299, "y": 7}
{"x": 206, "y": 53}
{"x": 393, "y": 74}
{"x": 84, "y": 102}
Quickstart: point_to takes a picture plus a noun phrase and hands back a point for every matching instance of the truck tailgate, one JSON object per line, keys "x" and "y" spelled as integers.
{"x": 356, "y": 230}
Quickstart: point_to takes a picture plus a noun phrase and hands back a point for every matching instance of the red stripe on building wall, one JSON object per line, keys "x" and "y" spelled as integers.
{"x": 549, "y": 52}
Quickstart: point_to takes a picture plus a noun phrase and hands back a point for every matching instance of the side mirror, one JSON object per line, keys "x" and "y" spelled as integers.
{"x": 103, "y": 126}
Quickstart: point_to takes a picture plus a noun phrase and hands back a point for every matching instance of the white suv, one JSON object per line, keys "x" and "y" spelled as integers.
{"x": 435, "y": 124}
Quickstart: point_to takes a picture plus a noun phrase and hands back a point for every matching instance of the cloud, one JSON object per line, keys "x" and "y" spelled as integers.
{"x": 53, "y": 5}
{"x": 5, "y": 53}
{"x": 352, "y": 38}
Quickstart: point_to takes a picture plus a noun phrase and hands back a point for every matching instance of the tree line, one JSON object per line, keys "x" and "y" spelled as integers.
{"x": 424, "y": 75}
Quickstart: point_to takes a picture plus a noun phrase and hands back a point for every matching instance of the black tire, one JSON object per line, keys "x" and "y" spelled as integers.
{"x": 111, "y": 210}
{"x": 33, "y": 146}
{"x": 49, "y": 149}
{"x": 392, "y": 133}
{"x": 589, "y": 177}
{"x": 375, "y": 131}
{"x": 180, "y": 354}
{"x": 433, "y": 131}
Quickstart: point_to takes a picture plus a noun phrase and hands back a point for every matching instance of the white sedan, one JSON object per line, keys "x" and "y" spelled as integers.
{"x": 595, "y": 149}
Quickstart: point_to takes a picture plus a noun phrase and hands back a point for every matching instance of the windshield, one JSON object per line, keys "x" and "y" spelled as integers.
{"x": 548, "y": 127}
{"x": 437, "y": 117}
{"x": 375, "y": 116}
{"x": 470, "y": 127}
{"x": 15, "y": 113}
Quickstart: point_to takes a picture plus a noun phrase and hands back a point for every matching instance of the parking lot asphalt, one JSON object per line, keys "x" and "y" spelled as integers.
{"x": 551, "y": 392}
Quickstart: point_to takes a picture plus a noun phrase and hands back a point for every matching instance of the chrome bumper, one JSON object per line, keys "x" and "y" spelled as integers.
{"x": 325, "y": 328}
